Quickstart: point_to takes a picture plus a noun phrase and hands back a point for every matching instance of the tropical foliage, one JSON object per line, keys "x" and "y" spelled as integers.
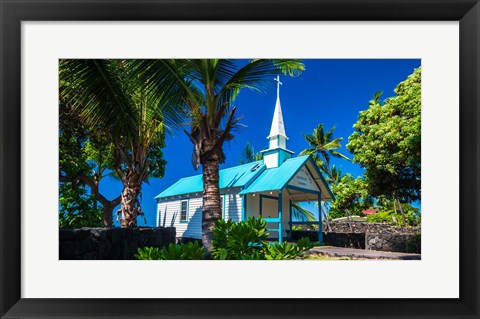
{"x": 322, "y": 146}
{"x": 232, "y": 241}
{"x": 85, "y": 159}
{"x": 208, "y": 88}
{"x": 301, "y": 213}
{"x": 350, "y": 194}
{"x": 77, "y": 208}
{"x": 412, "y": 218}
{"x": 387, "y": 142}
{"x": 247, "y": 241}
{"x": 249, "y": 154}
{"x": 109, "y": 97}
{"x": 188, "y": 251}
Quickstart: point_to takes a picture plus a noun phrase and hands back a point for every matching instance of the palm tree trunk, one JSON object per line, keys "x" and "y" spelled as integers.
{"x": 130, "y": 203}
{"x": 211, "y": 210}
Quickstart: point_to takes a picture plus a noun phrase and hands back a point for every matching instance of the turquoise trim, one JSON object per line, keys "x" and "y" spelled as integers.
{"x": 321, "y": 176}
{"x": 273, "y": 150}
{"x": 187, "y": 214}
{"x": 283, "y": 155}
{"x": 261, "y": 197}
{"x": 280, "y": 213}
{"x": 296, "y": 188}
{"x": 293, "y": 175}
{"x": 244, "y": 208}
{"x": 309, "y": 172}
{"x": 320, "y": 229}
{"x": 268, "y": 196}
{"x": 290, "y": 220}
{"x": 224, "y": 211}
{"x": 272, "y": 220}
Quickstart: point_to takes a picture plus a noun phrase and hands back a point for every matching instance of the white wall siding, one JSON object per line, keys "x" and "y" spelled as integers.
{"x": 233, "y": 207}
{"x": 168, "y": 213}
{"x": 194, "y": 227}
{"x": 169, "y": 216}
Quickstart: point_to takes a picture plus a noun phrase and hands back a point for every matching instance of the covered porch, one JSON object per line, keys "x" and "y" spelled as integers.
{"x": 271, "y": 196}
{"x": 275, "y": 207}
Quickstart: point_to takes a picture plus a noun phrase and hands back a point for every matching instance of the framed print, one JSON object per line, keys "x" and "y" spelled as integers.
{"x": 440, "y": 36}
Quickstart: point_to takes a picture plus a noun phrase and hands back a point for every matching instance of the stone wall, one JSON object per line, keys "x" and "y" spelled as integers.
{"x": 370, "y": 228}
{"x": 111, "y": 243}
{"x": 372, "y": 236}
{"x": 393, "y": 242}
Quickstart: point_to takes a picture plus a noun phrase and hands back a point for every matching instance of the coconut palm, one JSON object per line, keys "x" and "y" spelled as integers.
{"x": 322, "y": 146}
{"x": 209, "y": 88}
{"x": 301, "y": 213}
{"x": 249, "y": 154}
{"x": 110, "y": 98}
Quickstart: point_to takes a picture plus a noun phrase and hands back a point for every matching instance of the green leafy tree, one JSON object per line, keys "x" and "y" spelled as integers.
{"x": 322, "y": 146}
{"x": 85, "y": 158}
{"x": 387, "y": 142}
{"x": 77, "y": 208}
{"x": 350, "y": 194}
{"x": 109, "y": 97}
{"x": 209, "y": 88}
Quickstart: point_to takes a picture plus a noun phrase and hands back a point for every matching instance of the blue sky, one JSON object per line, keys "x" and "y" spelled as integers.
{"x": 331, "y": 92}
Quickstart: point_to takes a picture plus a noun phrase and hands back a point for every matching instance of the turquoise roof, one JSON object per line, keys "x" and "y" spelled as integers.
{"x": 276, "y": 178}
{"x": 238, "y": 176}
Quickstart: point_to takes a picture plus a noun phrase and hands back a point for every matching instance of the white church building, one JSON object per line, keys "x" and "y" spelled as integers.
{"x": 265, "y": 188}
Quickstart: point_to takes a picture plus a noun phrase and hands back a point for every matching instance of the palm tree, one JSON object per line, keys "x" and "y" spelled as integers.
{"x": 249, "y": 154}
{"x": 209, "y": 88}
{"x": 336, "y": 175}
{"x": 109, "y": 97}
{"x": 322, "y": 147}
{"x": 302, "y": 213}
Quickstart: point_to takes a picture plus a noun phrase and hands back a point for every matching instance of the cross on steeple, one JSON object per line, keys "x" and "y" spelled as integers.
{"x": 277, "y": 151}
{"x": 278, "y": 128}
{"x": 277, "y": 79}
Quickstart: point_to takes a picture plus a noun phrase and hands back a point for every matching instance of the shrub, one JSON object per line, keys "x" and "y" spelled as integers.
{"x": 189, "y": 251}
{"x": 414, "y": 244}
{"x": 238, "y": 241}
{"x": 275, "y": 251}
{"x": 148, "y": 253}
{"x": 246, "y": 241}
{"x": 392, "y": 218}
{"x": 243, "y": 240}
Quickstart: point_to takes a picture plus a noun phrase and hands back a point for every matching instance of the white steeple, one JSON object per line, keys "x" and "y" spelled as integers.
{"x": 277, "y": 151}
{"x": 277, "y": 128}
{"x": 277, "y": 137}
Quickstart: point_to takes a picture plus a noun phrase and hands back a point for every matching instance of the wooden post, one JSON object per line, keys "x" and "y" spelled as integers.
{"x": 280, "y": 223}
{"x": 320, "y": 226}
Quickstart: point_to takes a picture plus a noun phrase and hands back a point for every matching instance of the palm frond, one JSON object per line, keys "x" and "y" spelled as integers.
{"x": 301, "y": 214}
{"x": 97, "y": 92}
{"x": 256, "y": 75}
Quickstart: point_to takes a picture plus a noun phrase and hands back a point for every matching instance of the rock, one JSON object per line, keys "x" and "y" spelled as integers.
{"x": 67, "y": 250}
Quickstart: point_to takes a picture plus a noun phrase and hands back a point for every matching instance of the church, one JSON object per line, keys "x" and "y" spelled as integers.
{"x": 265, "y": 188}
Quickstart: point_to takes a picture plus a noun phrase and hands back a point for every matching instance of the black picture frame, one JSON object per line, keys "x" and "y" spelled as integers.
{"x": 12, "y": 13}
